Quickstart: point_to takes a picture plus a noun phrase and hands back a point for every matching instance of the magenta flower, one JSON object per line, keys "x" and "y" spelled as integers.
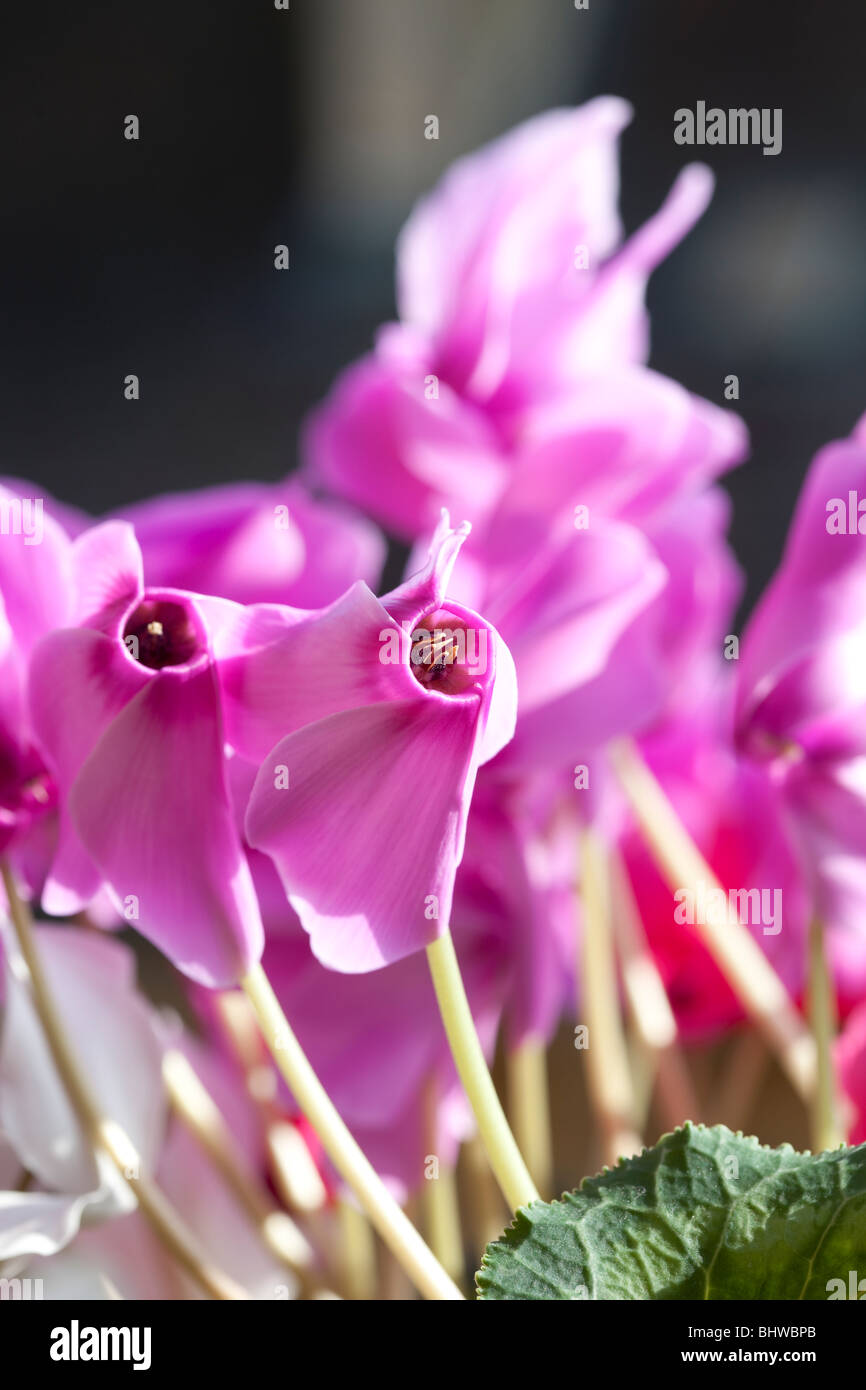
{"x": 255, "y": 543}
{"x": 801, "y": 695}
{"x": 524, "y": 335}
{"x": 369, "y": 719}
{"x": 126, "y": 708}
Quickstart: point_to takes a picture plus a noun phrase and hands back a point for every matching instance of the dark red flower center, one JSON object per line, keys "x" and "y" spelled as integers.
{"x": 448, "y": 655}
{"x": 161, "y": 632}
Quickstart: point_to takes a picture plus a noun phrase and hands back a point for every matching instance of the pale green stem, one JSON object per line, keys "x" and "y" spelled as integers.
{"x": 389, "y": 1220}
{"x": 505, "y": 1158}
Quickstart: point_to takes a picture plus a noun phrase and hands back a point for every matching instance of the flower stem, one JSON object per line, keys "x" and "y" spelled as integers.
{"x": 735, "y": 951}
{"x": 505, "y": 1158}
{"x": 391, "y": 1223}
{"x": 102, "y": 1133}
{"x": 529, "y": 1108}
{"x": 827, "y": 1131}
{"x": 608, "y": 1071}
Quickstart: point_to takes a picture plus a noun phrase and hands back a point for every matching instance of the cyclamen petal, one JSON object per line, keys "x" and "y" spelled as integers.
{"x": 152, "y": 808}
{"x": 281, "y": 668}
{"x": 382, "y": 792}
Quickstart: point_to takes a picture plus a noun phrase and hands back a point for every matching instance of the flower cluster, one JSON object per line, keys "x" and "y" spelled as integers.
{"x": 214, "y": 729}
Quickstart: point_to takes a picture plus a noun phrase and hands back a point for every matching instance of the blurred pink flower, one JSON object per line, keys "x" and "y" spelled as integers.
{"x": 515, "y": 364}
{"x": 801, "y": 696}
{"x": 255, "y": 543}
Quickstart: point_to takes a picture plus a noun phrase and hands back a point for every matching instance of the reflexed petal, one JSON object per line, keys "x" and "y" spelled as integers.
{"x": 152, "y": 809}
{"x": 369, "y": 831}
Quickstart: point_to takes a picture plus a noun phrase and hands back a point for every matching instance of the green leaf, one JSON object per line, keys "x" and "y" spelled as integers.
{"x": 706, "y": 1214}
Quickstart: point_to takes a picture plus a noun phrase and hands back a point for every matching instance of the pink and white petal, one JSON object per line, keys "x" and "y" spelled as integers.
{"x": 489, "y": 232}
{"x": 280, "y": 669}
{"x": 614, "y": 326}
{"x": 425, "y": 591}
{"x": 152, "y": 809}
{"x": 384, "y": 792}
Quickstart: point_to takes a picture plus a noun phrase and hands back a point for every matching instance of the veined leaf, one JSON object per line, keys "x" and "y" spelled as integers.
{"x": 705, "y": 1214}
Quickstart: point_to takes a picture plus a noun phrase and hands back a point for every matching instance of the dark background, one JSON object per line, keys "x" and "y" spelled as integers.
{"x": 306, "y": 127}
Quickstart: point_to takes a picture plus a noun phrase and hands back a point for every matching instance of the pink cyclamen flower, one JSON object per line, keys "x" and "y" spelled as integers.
{"x": 801, "y": 697}
{"x": 126, "y": 708}
{"x": 255, "y": 543}
{"x": 369, "y": 720}
{"x": 525, "y": 335}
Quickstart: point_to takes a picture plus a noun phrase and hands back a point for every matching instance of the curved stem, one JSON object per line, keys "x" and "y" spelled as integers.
{"x": 391, "y": 1223}
{"x": 104, "y": 1134}
{"x": 505, "y": 1157}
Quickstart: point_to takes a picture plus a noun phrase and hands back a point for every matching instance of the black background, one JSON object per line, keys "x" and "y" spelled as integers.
{"x": 156, "y": 256}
